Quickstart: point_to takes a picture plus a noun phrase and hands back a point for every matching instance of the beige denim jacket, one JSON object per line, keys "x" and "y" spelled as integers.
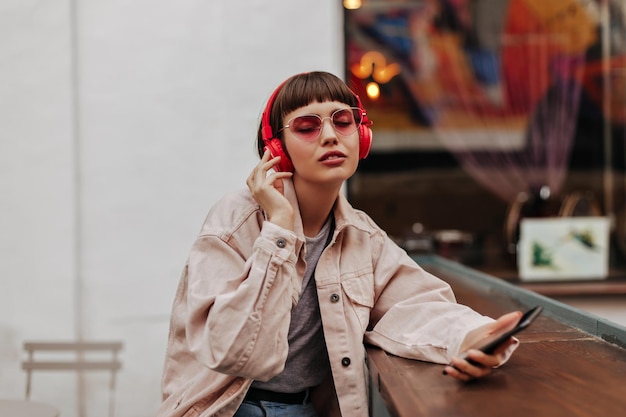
{"x": 231, "y": 312}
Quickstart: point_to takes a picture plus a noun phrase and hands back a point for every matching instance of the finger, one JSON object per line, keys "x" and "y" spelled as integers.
{"x": 260, "y": 171}
{"x": 258, "y": 183}
{"x": 457, "y": 366}
{"x": 506, "y": 321}
{"x": 482, "y": 360}
{"x": 267, "y": 157}
{"x": 474, "y": 364}
{"x": 465, "y": 372}
{"x": 272, "y": 177}
{"x": 272, "y": 163}
{"x": 455, "y": 373}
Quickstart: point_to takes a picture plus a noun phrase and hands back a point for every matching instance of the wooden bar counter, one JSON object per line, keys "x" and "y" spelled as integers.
{"x": 569, "y": 363}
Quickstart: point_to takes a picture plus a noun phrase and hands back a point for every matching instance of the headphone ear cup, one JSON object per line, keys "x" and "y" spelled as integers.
{"x": 365, "y": 141}
{"x": 276, "y": 149}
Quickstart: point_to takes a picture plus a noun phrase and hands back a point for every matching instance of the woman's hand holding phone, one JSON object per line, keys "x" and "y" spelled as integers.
{"x": 483, "y": 347}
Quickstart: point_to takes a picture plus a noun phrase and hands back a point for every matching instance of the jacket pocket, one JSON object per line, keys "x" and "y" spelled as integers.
{"x": 360, "y": 293}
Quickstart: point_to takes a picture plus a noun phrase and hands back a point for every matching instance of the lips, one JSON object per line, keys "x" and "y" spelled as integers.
{"x": 332, "y": 155}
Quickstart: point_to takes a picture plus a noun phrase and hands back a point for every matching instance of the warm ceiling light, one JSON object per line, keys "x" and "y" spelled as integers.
{"x": 352, "y": 4}
{"x": 373, "y": 90}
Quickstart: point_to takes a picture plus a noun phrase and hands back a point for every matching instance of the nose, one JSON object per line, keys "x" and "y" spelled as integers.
{"x": 328, "y": 131}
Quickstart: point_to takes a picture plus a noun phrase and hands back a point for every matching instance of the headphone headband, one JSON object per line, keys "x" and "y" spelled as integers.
{"x": 266, "y": 126}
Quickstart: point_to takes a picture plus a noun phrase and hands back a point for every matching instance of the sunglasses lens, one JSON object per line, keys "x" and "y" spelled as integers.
{"x": 306, "y": 127}
{"x": 345, "y": 121}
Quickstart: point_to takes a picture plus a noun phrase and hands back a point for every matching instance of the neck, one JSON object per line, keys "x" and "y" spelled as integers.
{"x": 315, "y": 205}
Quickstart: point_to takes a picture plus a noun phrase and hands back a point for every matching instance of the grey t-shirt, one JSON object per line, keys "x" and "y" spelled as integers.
{"x": 307, "y": 361}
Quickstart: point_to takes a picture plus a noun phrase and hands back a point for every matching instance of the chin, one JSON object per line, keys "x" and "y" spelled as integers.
{"x": 343, "y": 174}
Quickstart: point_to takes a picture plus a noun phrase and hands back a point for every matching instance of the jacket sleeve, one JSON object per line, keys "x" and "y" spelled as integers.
{"x": 238, "y": 306}
{"x": 416, "y": 314}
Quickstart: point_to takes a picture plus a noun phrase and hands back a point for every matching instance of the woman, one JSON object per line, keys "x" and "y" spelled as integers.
{"x": 286, "y": 280}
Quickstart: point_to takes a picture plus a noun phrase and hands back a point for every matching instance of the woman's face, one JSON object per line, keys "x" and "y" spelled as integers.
{"x": 331, "y": 158}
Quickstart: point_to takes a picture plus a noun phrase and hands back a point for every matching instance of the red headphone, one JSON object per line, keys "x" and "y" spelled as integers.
{"x": 275, "y": 147}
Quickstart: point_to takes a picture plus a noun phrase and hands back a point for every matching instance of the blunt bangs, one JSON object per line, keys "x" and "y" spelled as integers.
{"x": 304, "y": 89}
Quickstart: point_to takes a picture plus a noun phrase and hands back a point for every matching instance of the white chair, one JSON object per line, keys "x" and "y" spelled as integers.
{"x": 80, "y": 362}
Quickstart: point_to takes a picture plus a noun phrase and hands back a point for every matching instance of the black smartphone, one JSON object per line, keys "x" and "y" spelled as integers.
{"x": 492, "y": 342}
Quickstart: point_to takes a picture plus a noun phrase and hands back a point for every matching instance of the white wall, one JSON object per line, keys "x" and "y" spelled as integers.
{"x": 121, "y": 122}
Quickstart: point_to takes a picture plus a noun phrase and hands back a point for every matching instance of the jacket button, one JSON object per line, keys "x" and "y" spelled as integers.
{"x": 280, "y": 242}
{"x": 334, "y": 298}
{"x": 345, "y": 361}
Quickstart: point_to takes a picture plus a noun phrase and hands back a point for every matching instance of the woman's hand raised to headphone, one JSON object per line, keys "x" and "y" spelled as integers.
{"x": 268, "y": 190}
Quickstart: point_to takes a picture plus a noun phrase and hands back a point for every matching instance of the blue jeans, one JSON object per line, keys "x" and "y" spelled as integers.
{"x": 271, "y": 409}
